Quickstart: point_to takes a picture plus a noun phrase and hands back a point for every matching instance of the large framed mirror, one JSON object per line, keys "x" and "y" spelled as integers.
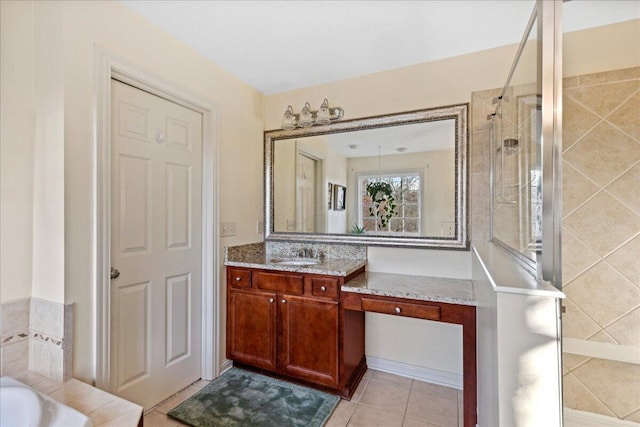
{"x": 392, "y": 180}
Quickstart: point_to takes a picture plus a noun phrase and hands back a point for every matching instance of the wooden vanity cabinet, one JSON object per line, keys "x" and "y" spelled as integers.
{"x": 291, "y": 324}
{"x": 251, "y": 327}
{"x": 309, "y": 339}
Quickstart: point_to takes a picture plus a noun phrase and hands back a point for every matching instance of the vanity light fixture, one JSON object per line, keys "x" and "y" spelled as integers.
{"x": 308, "y": 118}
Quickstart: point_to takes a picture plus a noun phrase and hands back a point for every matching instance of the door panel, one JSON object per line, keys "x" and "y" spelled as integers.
{"x": 305, "y": 204}
{"x": 178, "y": 204}
{"x": 178, "y": 134}
{"x": 133, "y": 121}
{"x": 132, "y": 302}
{"x": 135, "y": 225}
{"x": 178, "y": 318}
{"x": 156, "y": 158}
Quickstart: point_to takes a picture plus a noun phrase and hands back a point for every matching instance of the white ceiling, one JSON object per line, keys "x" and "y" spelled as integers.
{"x": 277, "y": 46}
{"x": 393, "y": 140}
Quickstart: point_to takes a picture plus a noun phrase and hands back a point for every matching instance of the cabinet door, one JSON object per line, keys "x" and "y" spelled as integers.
{"x": 251, "y": 328}
{"x": 309, "y": 343}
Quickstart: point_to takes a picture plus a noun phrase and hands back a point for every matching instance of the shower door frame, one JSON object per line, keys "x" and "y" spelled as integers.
{"x": 547, "y": 16}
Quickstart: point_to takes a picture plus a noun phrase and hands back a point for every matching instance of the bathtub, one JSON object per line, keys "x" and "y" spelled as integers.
{"x": 22, "y": 406}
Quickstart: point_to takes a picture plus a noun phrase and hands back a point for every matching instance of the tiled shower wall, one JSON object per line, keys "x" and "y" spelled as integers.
{"x": 601, "y": 238}
{"x": 601, "y": 231}
{"x": 37, "y": 335}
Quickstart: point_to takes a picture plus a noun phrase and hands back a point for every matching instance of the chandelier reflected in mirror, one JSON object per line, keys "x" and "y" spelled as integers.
{"x": 307, "y": 118}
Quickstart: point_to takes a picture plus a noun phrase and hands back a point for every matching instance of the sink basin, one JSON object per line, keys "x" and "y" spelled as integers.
{"x": 295, "y": 261}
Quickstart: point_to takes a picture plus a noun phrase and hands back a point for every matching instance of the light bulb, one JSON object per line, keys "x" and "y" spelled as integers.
{"x": 324, "y": 115}
{"x": 306, "y": 118}
{"x": 289, "y": 120}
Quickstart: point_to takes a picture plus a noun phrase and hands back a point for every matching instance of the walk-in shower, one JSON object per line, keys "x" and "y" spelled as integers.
{"x": 517, "y": 156}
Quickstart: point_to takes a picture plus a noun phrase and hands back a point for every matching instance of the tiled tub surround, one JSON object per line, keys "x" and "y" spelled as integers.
{"x": 338, "y": 260}
{"x": 601, "y": 241}
{"x": 37, "y": 335}
{"x": 104, "y": 409}
{"x": 14, "y": 336}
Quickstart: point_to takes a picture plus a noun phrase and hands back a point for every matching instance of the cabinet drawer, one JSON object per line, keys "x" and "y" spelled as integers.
{"x": 429, "y": 312}
{"x": 288, "y": 283}
{"x": 239, "y": 278}
{"x": 323, "y": 287}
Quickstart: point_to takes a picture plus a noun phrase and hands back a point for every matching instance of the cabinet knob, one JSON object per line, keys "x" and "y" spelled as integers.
{"x": 284, "y": 301}
{"x": 271, "y": 300}
{"x": 398, "y": 310}
{"x": 323, "y": 288}
{"x": 238, "y": 279}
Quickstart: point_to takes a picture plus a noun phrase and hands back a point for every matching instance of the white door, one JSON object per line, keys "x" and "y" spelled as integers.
{"x": 305, "y": 201}
{"x": 156, "y": 154}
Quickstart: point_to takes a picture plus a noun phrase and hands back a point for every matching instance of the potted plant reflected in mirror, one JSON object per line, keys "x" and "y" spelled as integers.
{"x": 383, "y": 203}
{"x": 356, "y": 229}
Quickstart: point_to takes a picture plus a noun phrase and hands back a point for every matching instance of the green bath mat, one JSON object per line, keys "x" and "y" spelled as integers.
{"x": 243, "y": 398}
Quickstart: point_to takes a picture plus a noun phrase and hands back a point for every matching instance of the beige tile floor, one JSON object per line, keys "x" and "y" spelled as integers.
{"x": 381, "y": 400}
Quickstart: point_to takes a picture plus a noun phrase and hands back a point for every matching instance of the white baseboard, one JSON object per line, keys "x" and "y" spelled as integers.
{"x": 574, "y": 418}
{"x": 428, "y": 375}
{"x": 225, "y": 366}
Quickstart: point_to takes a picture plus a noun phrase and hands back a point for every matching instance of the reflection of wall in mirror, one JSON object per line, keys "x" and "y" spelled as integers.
{"x": 337, "y": 174}
{"x": 284, "y": 189}
{"x": 438, "y": 189}
{"x": 284, "y": 193}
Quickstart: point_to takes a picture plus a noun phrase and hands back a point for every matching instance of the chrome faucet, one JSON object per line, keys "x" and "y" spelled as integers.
{"x": 305, "y": 253}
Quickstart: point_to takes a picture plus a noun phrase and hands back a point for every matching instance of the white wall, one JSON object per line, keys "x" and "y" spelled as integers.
{"x": 49, "y": 180}
{"x": 518, "y": 351}
{"x": 17, "y": 125}
{"x": 47, "y": 58}
{"x": 32, "y": 152}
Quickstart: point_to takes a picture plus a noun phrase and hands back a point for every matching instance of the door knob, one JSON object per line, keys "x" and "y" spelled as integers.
{"x": 114, "y": 273}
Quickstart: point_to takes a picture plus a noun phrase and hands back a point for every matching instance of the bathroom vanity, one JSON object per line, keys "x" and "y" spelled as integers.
{"x": 306, "y": 321}
{"x": 291, "y": 323}
{"x": 287, "y": 319}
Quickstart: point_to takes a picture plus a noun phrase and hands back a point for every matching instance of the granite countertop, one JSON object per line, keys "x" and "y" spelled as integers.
{"x": 436, "y": 289}
{"x": 255, "y": 256}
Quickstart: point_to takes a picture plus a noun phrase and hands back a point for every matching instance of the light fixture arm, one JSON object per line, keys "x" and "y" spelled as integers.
{"x": 336, "y": 113}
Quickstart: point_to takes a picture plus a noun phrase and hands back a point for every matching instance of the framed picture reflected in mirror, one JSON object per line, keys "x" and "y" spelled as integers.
{"x": 339, "y": 197}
